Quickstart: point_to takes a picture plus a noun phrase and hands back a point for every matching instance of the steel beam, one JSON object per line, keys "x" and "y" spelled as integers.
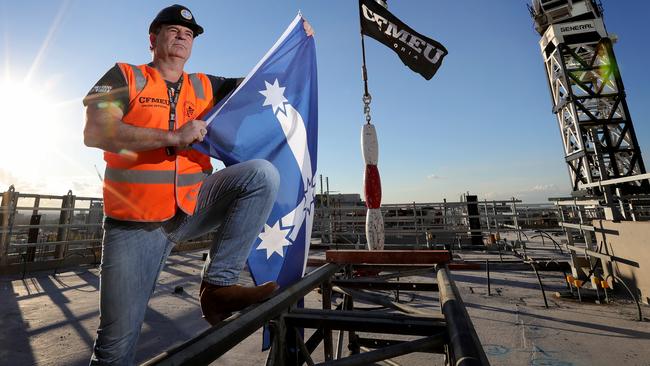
{"x": 328, "y": 345}
{"x": 377, "y": 343}
{"x": 371, "y": 322}
{"x": 384, "y": 285}
{"x": 384, "y": 301}
{"x": 214, "y": 342}
{"x": 568, "y": 225}
{"x": 632, "y": 178}
{"x": 7, "y": 215}
{"x": 65, "y": 218}
{"x": 400, "y": 268}
{"x": 602, "y": 256}
{"x": 366, "y": 358}
{"x": 388, "y": 256}
{"x": 575, "y": 202}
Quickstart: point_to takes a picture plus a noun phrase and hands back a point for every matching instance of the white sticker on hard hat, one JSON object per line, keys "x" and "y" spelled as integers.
{"x": 186, "y": 14}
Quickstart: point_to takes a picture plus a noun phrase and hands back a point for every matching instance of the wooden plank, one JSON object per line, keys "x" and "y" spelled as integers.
{"x": 387, "y": 256}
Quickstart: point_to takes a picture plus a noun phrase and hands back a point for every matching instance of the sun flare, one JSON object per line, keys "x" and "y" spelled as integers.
{"x": 28, "y": 123}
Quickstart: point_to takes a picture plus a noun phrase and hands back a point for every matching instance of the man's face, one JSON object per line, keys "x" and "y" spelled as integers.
{"x": 173, "y": 41}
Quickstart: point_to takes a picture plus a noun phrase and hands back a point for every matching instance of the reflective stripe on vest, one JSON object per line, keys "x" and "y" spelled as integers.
{"x": 154, "y": 177}
{"x": 198, "y": 87}
{"x": 140, "y": 80}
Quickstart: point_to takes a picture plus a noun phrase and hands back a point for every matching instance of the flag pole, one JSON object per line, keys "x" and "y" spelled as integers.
{"x": 370, "y": 152}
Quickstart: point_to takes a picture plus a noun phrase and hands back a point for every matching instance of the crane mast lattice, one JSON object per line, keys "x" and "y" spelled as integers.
{"x": 588, "y": 95}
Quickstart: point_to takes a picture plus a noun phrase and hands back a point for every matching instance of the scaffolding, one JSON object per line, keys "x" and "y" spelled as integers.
{"x": 448, "y": 331}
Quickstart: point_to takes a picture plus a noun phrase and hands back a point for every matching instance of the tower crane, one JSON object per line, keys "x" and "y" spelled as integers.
{"x": 588, "y": 96}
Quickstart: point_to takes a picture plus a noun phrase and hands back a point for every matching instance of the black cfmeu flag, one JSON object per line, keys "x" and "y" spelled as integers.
{"x": 421, "y": 54}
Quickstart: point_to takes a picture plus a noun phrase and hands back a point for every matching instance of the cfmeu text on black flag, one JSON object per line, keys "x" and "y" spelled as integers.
{"x": 421, "y": 54}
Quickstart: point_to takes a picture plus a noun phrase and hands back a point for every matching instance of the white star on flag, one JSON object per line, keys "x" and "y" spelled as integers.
{"x": 274, "y": 239}
{"x": 274, "y": 96}
{"x": 309, "y": 196}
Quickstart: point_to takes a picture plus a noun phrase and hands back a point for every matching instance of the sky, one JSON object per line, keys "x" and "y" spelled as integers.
{"x": 483, "y": 124}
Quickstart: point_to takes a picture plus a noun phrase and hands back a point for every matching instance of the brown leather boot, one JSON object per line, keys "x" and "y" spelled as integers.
{"x": 219, "y": 302}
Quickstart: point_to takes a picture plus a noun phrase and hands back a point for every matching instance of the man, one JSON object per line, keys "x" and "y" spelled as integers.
{"x": 158, "y": 191}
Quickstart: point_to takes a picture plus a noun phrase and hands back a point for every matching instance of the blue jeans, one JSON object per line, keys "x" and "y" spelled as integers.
{"x": 234, "y": 201}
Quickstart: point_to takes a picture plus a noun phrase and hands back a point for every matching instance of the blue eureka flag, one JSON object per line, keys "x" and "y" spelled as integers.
{"x": 273, "y": 115}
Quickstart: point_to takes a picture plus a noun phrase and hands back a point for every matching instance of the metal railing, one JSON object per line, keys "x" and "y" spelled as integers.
{"x": 39, "y": 232}
{"x": 42, "y": 228}
{"x": 422, "y": 224}
{"x": 38, "y": 228}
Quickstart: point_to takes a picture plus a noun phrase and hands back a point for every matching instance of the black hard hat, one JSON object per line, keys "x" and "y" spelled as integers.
{"x": 176, "y": 15}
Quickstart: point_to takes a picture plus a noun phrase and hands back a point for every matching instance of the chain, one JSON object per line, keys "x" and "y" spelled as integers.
{"x": 366, "y": 106}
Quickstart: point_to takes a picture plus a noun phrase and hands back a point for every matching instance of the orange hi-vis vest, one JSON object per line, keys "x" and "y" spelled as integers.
{"x": 147, "y": 186}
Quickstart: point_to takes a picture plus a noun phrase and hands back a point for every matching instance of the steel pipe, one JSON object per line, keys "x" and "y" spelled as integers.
{"x": 541, "y": 285}
{"x": 464, "y": 344}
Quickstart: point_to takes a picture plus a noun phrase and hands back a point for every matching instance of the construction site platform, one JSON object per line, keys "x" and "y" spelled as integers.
{"x": 51, "y": 319}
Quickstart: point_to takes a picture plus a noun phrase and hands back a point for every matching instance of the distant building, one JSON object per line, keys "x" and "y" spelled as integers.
{"x": 339, "y": 199}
